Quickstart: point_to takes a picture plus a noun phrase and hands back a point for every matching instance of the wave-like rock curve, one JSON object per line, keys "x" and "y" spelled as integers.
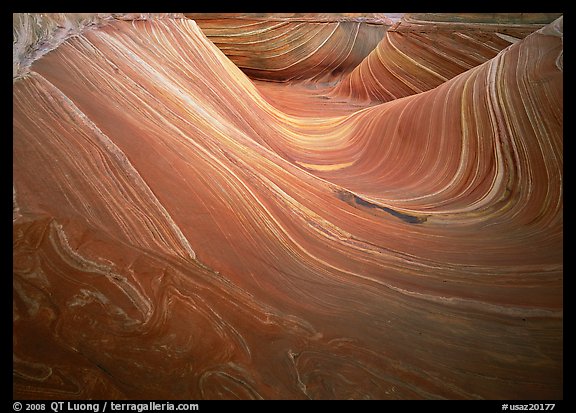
{"x": 421, "y": 52}
{"x": 176, "y": 235}
{"x": 294, "y": 46}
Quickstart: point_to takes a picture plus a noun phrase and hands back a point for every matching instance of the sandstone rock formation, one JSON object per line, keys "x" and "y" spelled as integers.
{"x": 294, "y": 46}
{"x": 423, "y": 51}
{"x": 181, "y": 231}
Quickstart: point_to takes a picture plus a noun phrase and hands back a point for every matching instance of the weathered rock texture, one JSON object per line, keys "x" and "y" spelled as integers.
{"x": 294, "y": 46}
{"x": 183, "y": 232}
{"x": 423, "y": 51}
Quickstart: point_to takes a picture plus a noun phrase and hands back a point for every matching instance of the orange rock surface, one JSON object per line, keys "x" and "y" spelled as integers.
{"x": 182, "y": 231}
{"x": 294, "y": 46}
{"x": 423, "y": 51}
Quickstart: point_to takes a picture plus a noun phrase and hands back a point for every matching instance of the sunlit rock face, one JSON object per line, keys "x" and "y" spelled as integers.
{"x": 182, "y": 231}
{"x": 423, "y": 51}
{"x": 294, "y": 46}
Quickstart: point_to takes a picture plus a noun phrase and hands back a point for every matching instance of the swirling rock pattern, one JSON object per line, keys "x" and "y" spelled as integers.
{"x": 423, "y": 51}
{"x": 294, "y": 46}
{"x": 180, "y": 233}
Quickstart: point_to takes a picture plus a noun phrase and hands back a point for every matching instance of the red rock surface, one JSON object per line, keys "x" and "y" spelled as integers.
{"x": 294, "y": 46}
{"x": 423, "y": 51}
{"x": 183, "y": 232}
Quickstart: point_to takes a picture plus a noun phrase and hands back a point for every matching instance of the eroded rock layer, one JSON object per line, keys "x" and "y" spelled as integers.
{"x": 294, "y": 46}
{"x": 423, "y": 51}
{"x": 178, "y": 233}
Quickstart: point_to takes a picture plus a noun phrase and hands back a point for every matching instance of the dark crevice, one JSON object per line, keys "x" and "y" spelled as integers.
{"x": 355, "y": 200}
